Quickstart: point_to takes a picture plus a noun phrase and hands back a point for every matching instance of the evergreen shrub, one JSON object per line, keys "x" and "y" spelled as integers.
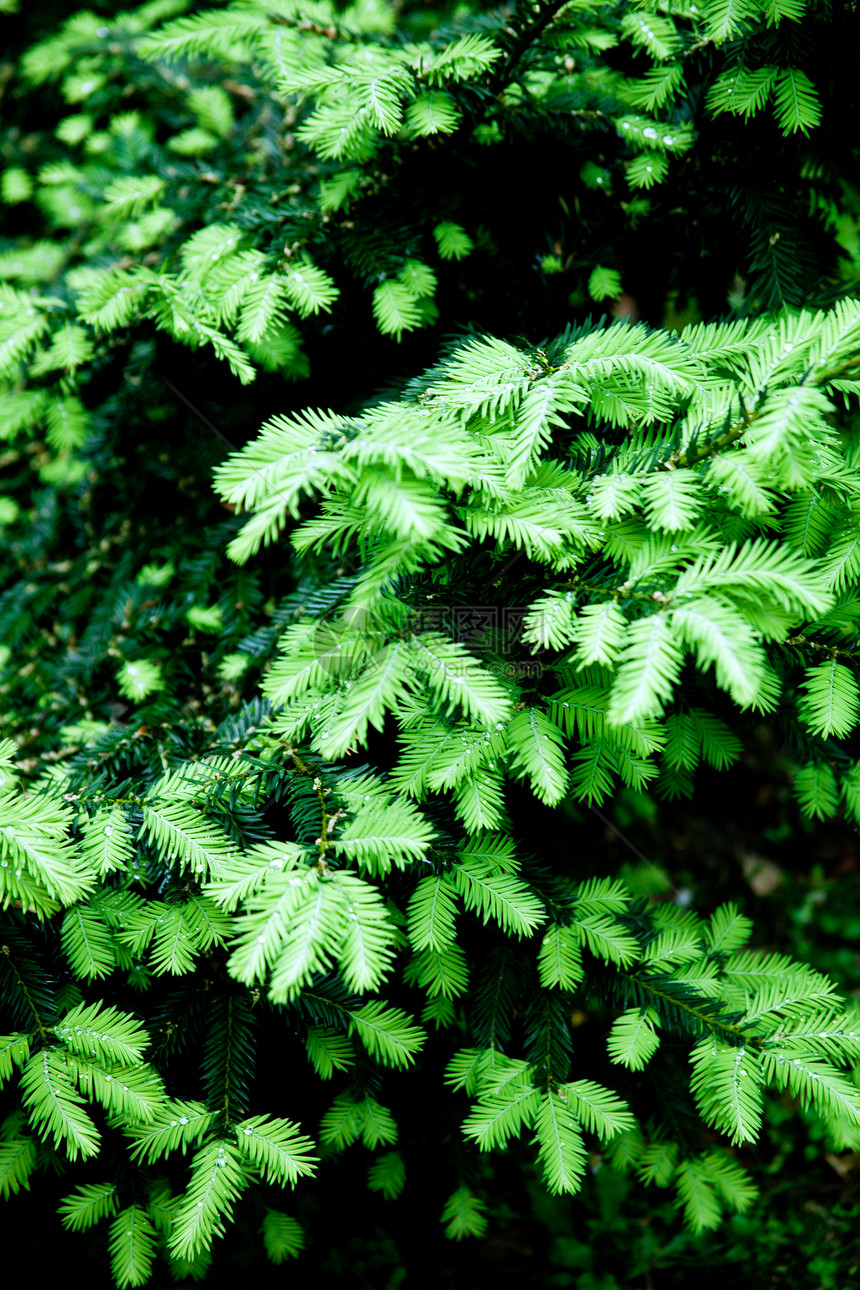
{"x": 284, "y": 724}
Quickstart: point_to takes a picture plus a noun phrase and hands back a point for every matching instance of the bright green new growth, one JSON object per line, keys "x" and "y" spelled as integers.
{"x": 658, "y": 584}
{"x": 681, "y": 514}
{"x": 660, "y": 557}
{"x": 240, "y": 289}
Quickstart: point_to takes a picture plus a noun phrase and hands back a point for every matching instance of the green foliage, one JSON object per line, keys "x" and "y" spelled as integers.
{"x": 683, "y": 592}
{"x": 217, "y": 1180}
{"x": 262, "y": 799}
{"x": 633, "y": 1039}
{"x": 87, "y": 1205}
{"x": 282, "y": 1235}
{"x": 387, "y": 1174}
{"x": 132, "y": 1245}
{"x": 463, "y": 1215}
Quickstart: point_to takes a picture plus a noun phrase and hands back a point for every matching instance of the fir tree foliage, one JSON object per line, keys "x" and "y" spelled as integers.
{"x": 363, "y": 97}
{"x": 682, "y": 504}
{"x": 681, "y": 591}
{"x": 665, "y": 589}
